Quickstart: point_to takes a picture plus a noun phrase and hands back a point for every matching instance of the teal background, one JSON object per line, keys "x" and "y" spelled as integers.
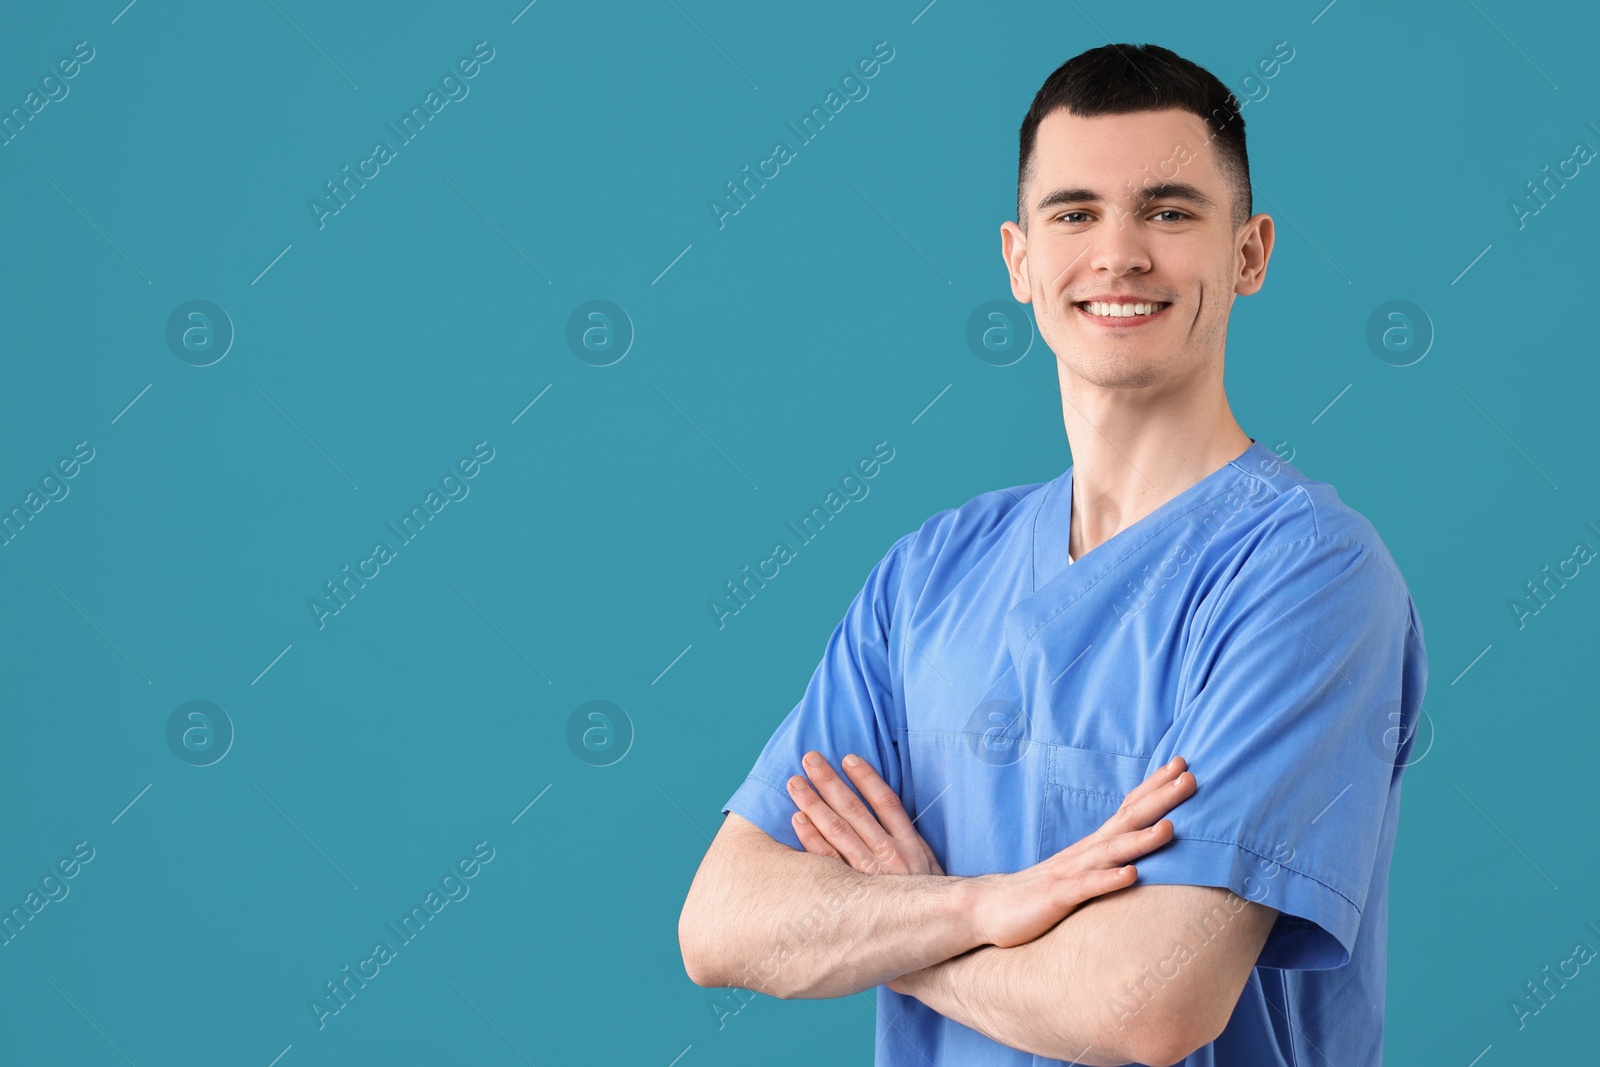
{"x": 371, "y": 354}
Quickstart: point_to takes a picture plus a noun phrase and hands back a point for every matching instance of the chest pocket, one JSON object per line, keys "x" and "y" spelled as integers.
{"x": 1083, "y": 788}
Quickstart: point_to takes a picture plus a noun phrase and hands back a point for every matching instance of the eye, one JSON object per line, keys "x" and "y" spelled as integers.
{"x": 1064, "y": 214}
{"x": 1173, "y": 211}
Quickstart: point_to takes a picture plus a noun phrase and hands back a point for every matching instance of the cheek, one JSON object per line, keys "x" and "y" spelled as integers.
{"x": 1054, "y": 270}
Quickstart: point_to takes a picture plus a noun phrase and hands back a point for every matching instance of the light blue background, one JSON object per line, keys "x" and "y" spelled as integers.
{"x": 827, "y": 315}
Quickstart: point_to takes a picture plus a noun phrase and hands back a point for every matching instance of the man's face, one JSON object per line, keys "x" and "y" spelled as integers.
{"x": 1094, "y": 231}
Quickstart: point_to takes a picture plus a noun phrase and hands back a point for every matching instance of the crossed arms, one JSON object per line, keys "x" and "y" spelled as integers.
{"x": 1066, "y": 959}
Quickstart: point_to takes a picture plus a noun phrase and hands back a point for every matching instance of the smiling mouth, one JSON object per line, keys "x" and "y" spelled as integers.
{"x": 1131, "y": 313}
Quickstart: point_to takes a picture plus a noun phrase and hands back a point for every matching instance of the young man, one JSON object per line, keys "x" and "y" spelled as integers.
{"x": 1011, "y": 683}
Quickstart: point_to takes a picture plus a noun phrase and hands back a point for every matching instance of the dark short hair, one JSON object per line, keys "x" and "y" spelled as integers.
{"x": 1116, "y": 79}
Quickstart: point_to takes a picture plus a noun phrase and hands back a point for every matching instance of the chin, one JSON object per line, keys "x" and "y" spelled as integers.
{"x": 1116, "y": 373}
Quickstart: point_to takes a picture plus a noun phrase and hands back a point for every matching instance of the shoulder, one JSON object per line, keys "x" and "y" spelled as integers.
{"x": 964, "y": 533}
{"x": 952, "y": 541}
{"x": 984, "y": 516}
{"x": 1301, "y": 532}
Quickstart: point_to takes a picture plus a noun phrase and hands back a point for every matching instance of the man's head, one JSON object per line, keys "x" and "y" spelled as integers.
{"x": 1117, "y": 79}
{"x": 1133, "y": 183}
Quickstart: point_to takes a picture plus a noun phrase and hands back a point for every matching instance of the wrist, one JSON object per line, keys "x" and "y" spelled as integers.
{"x": 975, "y": 909}
{"x": 972, "y": 896}
{"x": 914, "y": 983}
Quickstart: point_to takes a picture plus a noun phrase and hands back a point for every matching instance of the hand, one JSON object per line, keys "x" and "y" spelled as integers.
{"x": 1013, "y": 909}
{"x": 1009, "y": 909}
{"x": 832, "y": 820}
{"x": 1053, "y": 889}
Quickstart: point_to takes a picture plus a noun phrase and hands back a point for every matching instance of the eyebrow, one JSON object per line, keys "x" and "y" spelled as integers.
{"x": 1161, "y": 191}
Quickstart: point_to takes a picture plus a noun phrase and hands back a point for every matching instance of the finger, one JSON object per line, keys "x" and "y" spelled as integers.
{"x": 1080, "y": 887}
{"x": 844, "y": 801}
{"x": 825, "y": 822}
{"x": 810, "y": 839}
{"x": 1106, "y": 851}
{"x": 885, "y": 802}
{"x": 1158, "y": 778}
{"x": 834, "y": 829}
{"x": 1161, "y": 778}
{"x": 1123, "y": 848}
{"x": 1092, "y": 884}
{"x": 1141, "y": 809}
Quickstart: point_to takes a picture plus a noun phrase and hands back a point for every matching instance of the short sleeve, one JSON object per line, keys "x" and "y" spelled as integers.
{"x": 848, "y": 706}
{"x": 1295, "y": 687}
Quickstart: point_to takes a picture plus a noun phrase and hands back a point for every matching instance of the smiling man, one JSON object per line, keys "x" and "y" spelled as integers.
{"x": 1021, "y": 679}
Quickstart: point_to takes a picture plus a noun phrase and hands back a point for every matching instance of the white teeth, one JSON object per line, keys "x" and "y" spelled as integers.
{"x": 1096, "y": 307}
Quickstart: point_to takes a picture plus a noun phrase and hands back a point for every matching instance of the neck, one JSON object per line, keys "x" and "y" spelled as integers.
{"x": 1127, "y": 462}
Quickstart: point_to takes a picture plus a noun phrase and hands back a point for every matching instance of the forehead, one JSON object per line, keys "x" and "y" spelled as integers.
{"x": 1108, "y": 153}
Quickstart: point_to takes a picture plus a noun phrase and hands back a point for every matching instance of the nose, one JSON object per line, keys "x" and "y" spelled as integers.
{"x": 1120, "y": 247}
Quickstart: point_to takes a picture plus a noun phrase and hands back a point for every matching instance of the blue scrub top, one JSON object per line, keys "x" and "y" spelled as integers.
{"x": 1254, "y": 624}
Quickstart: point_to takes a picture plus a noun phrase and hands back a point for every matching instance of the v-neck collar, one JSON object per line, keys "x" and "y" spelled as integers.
{"x": 1052, "y": 522}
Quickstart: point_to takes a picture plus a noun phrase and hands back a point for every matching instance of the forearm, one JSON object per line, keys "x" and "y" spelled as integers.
{"x": 1044, "y": 997}
{"x": 791, "y": 924}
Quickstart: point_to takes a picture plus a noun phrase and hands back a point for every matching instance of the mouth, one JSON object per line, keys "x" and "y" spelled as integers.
{"x": 1121, "y": 315}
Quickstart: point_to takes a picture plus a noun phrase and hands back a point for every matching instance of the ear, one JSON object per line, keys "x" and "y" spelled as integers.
{"x": 1255, "y": 248}
{"x": 1014, "y": 250}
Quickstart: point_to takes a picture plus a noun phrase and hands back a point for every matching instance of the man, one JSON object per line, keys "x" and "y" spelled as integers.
{"x": 1014, "y": 669}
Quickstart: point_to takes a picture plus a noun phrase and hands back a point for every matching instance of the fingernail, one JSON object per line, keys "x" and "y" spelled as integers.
{"x": 1171, "y": 763}
{"x": 851, "y": 761}
{"x": 813, "y": 760}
